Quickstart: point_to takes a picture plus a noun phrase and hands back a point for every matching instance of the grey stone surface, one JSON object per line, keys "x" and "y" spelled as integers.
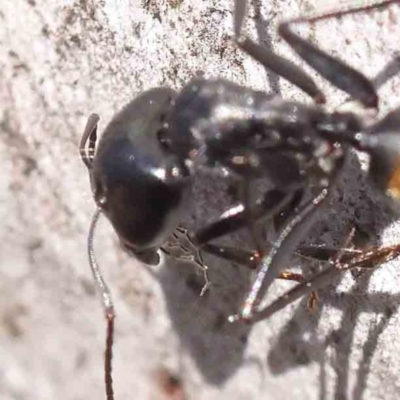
{"x": 62, "y": 60}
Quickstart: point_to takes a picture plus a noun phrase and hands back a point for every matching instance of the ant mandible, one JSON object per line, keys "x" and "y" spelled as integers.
{"x": 148, "y": 156}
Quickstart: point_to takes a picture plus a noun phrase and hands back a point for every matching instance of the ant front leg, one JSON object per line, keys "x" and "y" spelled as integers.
{"x": 238, "y": 217}
{"x": 188, "y": 246}
{"x": 181, "y": 247}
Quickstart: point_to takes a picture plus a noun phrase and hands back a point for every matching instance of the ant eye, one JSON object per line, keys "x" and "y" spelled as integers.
{"x": 162, "y": 138}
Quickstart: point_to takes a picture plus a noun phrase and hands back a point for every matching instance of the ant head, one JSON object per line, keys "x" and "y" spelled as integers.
{"x": 382, "y": 142}
{"x": 136, "y": 182}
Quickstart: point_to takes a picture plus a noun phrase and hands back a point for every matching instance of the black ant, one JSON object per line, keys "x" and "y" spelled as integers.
{"x": 148, "y": 156}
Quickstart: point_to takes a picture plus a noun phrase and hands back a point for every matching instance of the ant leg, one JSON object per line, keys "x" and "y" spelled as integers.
{"x": 182, "y": 243}
{"x": 239, "y": 15}
{"x": 324, "y": 253}
{"x": 307, "y": 286}
{"x": 332, "y": 69}
{"x": 90, "y": 133}
{"x": 248, "y": 258}
{"x": 371, "y": 258}
{"x": 389, "y": 71}
{"x": 251, "y": 258}
{"x": 318, "y": 281}
{"x": 235, "y": 218}
{"x": 181, "y": 247}
{"x": 291, "y": 276}
{"x": 272, "y": 61}
{"x": 281, "y": 218}
{"x": 250, "y": 217}
{"x": 368, "y": 259}
{"x": 281, "y": 250}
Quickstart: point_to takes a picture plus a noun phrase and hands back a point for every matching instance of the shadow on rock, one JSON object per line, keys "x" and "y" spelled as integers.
{"x": 299, "y": 342}
{"x": 201, "y": 322}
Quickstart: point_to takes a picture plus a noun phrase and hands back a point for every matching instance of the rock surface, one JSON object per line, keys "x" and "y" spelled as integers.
{"x": 60, "y": 61}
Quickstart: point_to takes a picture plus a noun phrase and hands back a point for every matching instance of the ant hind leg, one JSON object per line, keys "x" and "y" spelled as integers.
{"x": 331, "y": 68}
{"x": 272, "y": 61}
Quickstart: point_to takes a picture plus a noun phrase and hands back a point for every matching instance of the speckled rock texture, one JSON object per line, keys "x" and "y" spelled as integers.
{"x": 60, "y": 61}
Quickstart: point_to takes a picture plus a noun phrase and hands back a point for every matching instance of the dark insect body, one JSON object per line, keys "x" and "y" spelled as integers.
{"x": 146, "y": 160}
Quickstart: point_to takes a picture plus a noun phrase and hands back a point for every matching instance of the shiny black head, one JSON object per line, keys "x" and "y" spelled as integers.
{"x": 139, "y": 186}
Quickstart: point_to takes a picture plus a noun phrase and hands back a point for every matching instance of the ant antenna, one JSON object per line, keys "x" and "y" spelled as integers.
{"x": 107, "y": 305}
{"x": 90, "y": 133}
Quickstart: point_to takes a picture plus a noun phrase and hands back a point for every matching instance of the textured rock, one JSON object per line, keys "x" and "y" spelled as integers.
{"x": 66, "y": 59}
